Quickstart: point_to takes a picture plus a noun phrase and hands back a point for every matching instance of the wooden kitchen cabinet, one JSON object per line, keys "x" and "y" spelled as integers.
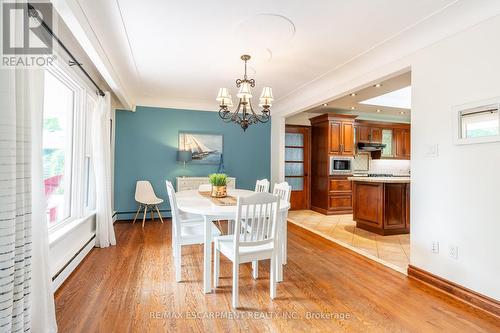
{"x": 376, "y": 135}
{"x": 335, "y": 138}
{"x": 341, "y": 138}
{"x": 395, "y": 202}
{"x": 331, "y": 135}
{"x": 381, "y": 207}
{"x": 340, "y": 195}
{"x": 402, "y": 143}
{"x": 372, "y": 131}
{"x": 368, "y": 134}
{"x": 368, "y": 214}
{"x": 363, "y": 133}
{"x": 348, "y": 138}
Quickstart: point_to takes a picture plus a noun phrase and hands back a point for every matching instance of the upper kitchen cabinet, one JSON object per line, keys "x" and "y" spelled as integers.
{"x": 402, "y": 143}
{"x": 368, "y": 134}
{"x": 340, "y": 134}
{"x": 395, "y": 136}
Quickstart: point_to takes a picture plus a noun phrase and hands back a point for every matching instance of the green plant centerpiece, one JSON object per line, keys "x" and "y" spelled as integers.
{"x": 219, "y": 184}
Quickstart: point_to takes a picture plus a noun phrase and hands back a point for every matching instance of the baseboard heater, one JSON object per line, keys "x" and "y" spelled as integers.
{"x": 61, "y": 276}
{"x": 135, "y": 211}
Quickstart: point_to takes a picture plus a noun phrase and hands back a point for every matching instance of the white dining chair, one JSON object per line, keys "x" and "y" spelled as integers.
{"x": 146, "y": 197}
{"x": 184, "y": 231}
{"x": 262, "y": 185}
{"x": 283, "y": 190}
{"x": 245, "y": 245}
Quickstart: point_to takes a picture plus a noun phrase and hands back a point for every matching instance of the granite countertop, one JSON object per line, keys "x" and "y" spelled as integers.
{"x": 380, "y": 179}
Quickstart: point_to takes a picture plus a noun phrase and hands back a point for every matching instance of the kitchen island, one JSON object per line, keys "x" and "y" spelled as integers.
{"x": 382, "y": 204}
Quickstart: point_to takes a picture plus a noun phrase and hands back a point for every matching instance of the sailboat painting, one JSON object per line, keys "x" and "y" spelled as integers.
{"x": 205, "y": 148}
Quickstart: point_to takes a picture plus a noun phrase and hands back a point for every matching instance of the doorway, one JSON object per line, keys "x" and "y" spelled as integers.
{"x": 297, "y": 164}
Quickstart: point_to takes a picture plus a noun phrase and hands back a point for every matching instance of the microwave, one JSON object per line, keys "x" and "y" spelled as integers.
{"x": 340, "y": 165}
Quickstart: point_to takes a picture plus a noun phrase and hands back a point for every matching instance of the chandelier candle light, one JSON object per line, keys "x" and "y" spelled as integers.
{"x": 248, "y": 115}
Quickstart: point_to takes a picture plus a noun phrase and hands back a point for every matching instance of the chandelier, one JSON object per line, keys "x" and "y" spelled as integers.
{"x": 248, "y": 115}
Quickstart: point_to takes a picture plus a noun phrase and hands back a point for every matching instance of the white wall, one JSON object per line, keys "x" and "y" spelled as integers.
{"x": 456, "y": 196}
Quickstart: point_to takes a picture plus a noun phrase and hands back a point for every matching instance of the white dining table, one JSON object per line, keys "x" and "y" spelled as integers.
{"x": 193, "y": 202}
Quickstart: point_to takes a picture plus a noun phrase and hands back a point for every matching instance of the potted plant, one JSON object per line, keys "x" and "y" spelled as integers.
{"x": 219, "y": 184}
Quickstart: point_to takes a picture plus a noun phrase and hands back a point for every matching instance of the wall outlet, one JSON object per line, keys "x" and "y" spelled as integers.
{"x": 453, "y": 252}
{"x": 435, "y": 247}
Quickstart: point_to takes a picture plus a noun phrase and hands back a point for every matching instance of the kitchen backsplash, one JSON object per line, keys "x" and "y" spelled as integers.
{"x": 396, "y": 167}
{"x": 362, "y": 163}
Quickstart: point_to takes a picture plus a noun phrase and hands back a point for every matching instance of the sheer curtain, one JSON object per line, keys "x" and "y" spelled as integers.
{"x": 101, "y": 155}
{"x": 26, "y": 297}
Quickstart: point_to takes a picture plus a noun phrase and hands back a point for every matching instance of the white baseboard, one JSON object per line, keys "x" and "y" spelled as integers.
{"x": 71, "y": 266}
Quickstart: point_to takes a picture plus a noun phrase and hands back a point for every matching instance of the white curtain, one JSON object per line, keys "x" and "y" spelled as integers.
{"x": 101, "y": 155}
{"x": 26, "y": 297}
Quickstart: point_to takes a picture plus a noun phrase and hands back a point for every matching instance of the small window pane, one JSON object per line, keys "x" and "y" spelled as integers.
{"x": 294, "y": 154}
{"x": 297, "y": 184}
{"x": 387, "y": 140}
{"x": 294, "y": 169}
{"x": 294, "y": 139}
{"x": 57, "y": 147}
{"x": 479, "y": 124}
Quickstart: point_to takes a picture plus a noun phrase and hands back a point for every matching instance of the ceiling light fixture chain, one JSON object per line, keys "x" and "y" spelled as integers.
{"x": 248, "y": 115}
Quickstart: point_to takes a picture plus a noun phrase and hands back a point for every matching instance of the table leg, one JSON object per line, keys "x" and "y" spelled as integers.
{"x": 279, "y": 252}
{"x": 207, "y": 271}
{"x": 285, "y": 238}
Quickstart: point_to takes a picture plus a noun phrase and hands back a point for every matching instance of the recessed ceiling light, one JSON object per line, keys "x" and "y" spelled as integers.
{"x": 402, "y": 112}
{"x": 353, "y": 108}
{"x": 325, "y": 104}
{"x": 378, "y": 110}
{"x": 352, "y": 94}
{"x": 378, "y": 85}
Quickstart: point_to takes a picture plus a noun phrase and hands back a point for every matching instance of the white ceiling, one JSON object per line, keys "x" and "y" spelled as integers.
{"x": 178, "y": 53}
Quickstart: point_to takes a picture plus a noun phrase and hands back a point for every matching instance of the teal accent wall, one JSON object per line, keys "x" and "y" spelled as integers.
{"x": 146, "y": 143}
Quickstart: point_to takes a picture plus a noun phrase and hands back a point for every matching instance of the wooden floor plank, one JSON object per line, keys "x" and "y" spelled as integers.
{"x": 131, "y": 288}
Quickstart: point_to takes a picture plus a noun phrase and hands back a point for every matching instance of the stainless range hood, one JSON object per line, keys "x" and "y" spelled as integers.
{"x": 370, "y": 146}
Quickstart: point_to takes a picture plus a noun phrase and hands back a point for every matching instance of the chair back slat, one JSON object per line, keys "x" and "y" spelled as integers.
{"x": 257, "y": 230}
{"x": 262, "y": 185}
{"x": 283, "y": 190}
{"x": 261, "y": 210}
{"x": 173, "y": 208}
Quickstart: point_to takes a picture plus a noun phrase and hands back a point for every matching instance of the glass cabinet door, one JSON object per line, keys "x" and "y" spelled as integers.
{"x": 387, "y": 140}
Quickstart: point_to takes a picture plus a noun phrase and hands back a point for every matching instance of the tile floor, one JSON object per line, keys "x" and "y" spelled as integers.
{"x": 393, "y": 251}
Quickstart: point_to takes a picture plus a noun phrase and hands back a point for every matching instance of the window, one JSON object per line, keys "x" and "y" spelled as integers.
{"x": 57, "y": 147}
{"x": 477, "y": 122}
{"x": 480, "y": 124}
{"x": 67, "y": 158}
{"x": 387, "y": 140}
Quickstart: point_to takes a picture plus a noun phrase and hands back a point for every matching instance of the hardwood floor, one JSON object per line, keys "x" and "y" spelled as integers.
{"x": 131, "y": 288}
